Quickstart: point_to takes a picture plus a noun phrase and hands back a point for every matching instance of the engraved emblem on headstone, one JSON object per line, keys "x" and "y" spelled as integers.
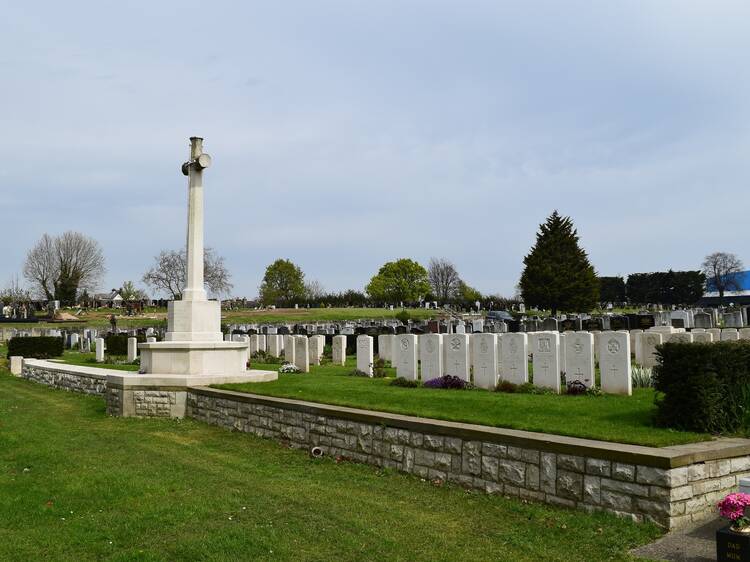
{"x": 513, "y": 346}
{"x": 430, "y": 346}
{"x": 544, "y": 345}
{"x": 613, "y": 346}
{"x": 483, "y": 346}
{"x": 456, "y": 344}
{"x": 651, "y": 340}
{"x": 404, "y": 344}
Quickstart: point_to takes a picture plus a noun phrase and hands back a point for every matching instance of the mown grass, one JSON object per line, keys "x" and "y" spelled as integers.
{"x": 156, "y": 317}
{"x": 76, "y": 485}
{"x": 621, "y": 419}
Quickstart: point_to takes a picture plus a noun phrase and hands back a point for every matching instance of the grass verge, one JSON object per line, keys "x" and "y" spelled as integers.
{"x": 78, "y": 485}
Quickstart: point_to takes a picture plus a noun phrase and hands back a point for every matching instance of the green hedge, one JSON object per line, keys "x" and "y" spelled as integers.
{"x": 118, "y": 344}
{"x": 703, "y": 387}
{"x": 41, "y": 347}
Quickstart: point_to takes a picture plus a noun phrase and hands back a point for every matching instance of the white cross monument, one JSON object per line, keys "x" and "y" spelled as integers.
{"x": 194, "y": 343}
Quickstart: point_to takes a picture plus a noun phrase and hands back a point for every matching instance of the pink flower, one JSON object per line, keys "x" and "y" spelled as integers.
{"x": 733, "y": 506}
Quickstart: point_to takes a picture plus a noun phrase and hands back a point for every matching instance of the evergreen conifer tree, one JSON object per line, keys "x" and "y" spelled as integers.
{"x": 557, "y": 275}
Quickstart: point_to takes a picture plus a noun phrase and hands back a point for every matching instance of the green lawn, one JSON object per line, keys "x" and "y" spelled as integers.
{"x": 157, "y": 317}
{"x": 89, "y": 360}
{"x": 78, "y": 485}
{"x": 620, "y": 419}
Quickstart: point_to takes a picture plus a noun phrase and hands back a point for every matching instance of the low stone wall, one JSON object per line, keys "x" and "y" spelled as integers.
{"x": 671, "y": 486}
{"x": 84, "y": 380}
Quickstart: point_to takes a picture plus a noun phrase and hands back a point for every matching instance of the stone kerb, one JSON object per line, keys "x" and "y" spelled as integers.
{"x": 671, "y": 486}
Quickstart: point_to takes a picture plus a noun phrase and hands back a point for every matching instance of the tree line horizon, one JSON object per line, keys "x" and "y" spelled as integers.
{"x": 557, "y": 276}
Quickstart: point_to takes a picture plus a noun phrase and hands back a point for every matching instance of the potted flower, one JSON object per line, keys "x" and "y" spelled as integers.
{"x": 733, "y": 541}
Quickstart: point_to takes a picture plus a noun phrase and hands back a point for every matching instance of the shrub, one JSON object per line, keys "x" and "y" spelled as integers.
{"x": 358, "y": 373}
{"x": 529, "y": 388}
{"x": 264, "y": 357}
{"x": 642, "y": 377}
{"x": 448, "y": 381}
{"x": 378, "y": 368}
{"x": 406, "y": 383}
{"x": 288, "y": 368}
{"x": 594, "y": 391}
{"x": 703, "y": 387}
{"x": 117, "y": 344}
{"x": 403, "y": 316}
{"x": 42, "y": 347}
{"x": 506, "y": 386}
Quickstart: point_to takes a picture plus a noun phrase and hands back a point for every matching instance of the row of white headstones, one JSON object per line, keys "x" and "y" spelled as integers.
{"x": 495, "y": 357}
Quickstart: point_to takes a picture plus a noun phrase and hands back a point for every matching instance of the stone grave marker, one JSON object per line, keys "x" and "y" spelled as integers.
{"x": 579, "y": 358}
{"x": 515, "y": 357}
{"x": 302, "y": 353}
{"x": 385, "y": 344}
{"x": 546, "y": 360}
{"x": 703, "y": 320}
{"x": 288, "y": 348}
{"x": 405, "y": 356}
{"x": 649, "y": 341}
{"x": 614, "y": 363}
{"x": 431, "y": 356}
{"x": 456, "y": 349}
{"x": 365, "y": 356}
{"x": 730, "y": 334}
{"x": 702, "y": 337}
{"x": 549, "y": 324}
{"x": 484, "y": 360}
{"x": 338, "y": 350}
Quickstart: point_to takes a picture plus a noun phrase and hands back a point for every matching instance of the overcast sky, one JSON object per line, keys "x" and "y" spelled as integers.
{"x": 345, "y": 134}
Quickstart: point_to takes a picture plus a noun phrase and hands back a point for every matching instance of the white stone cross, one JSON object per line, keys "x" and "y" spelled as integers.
{"x": 194, "y": 290}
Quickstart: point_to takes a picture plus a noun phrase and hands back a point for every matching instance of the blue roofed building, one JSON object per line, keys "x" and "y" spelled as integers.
{"x": 739, "y": 296}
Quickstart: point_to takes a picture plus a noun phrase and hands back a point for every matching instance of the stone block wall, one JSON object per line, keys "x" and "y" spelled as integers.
{"x": 72, "y": 382}
{"x": 533, "y": 469}
{"x": 146, "y": 402}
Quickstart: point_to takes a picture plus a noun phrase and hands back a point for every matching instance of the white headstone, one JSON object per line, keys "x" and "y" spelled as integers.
{"x": 288, "y": 348}
{"x": 151, "y": 339}
{"x": 729, "y": 334}
{"x": 321, "y": 345}
{"x": 679, "y": 337}
{"x": 702, "y": 337}
{"x": 715, "y": 332}
{"x": 132, "y": 349}
{"x": 456, "y": 349}
{"x": 338, "y": 350}
{"x": 515, "y": 358}
{"x": 649, "y": 341}
{"x": 301, "y": 353}
{"x": 745, "y": 334}
{"x": 262, "y": 342}
{"x": 385, "y": 345}
{"x": 634, "y": 343}
{"x": 579, "y": 358}
{"x": 547, "y": 360}
{"x": 16, "y": 365}
{"x": 252, "y": 345}
{"x": 484, "y": 360}
{"x": 99, "y": 350}
{"x": 614, "y": 363}
{"x": 315, "y": 350}
{"x": 431, "y": 356}
{"x": 405, "y": 356}
{"x": 274, "y": 345}
{"x": 365, "y": 355}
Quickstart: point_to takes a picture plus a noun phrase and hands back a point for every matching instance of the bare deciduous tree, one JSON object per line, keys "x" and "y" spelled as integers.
{"x": 169, "y": 272}
{"x": 444, "y": 278}
{"x": 722, "y": 271}
{"x": 314, "y": 290}
{"x": 58, "y": 267}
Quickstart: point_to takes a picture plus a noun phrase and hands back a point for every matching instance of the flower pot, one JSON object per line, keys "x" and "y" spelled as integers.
{"x": 732, "y": 546}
